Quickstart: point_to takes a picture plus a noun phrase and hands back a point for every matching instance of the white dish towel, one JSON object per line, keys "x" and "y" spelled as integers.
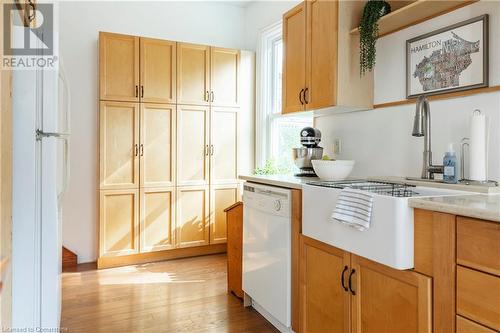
{"x": 354, "y": 208}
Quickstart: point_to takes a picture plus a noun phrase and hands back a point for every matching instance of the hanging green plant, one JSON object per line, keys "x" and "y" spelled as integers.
{"x": 368, "y": 32}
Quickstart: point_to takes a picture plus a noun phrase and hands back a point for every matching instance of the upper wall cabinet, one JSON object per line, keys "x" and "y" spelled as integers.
{"x": 134, "y": 69}
{"x": 158, "y": 69}
{"x": 321, "y": 58}
{"x": 119, "y": 67}
{"x": 193, "y": 74}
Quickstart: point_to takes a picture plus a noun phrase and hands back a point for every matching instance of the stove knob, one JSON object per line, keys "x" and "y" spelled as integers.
{"x": 277, "y": 205}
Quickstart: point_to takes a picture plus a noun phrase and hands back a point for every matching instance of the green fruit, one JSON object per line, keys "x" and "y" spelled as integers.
{"x": 326, "y": 158}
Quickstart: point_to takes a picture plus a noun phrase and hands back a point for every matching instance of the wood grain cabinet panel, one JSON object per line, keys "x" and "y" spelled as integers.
{"x": 478, "y": 297}
{"x": 157, "y": 224}
{"x": 294, "y": 58}
{"x": 193, "y": 74}
{"x": 221, "y": 197}
{"x": 324, "y": 304}
{"x": 193, "y": 218}
{"x": 157, "y": 146}
{"x": 118, "y": 67}
{"x": 478, "y": 244}
{"x": 225, "y": 68}
{"x": 119, "y": 222}
{"x": 158, "y": 70}
{"x": 467, "y": 326}
{"x": 224, "y": 145}
{"x": 322, "y": 58}
{"x": 193, "y": 147}
{"x": 119, "y": 145}
{"x": 387, "y": 300}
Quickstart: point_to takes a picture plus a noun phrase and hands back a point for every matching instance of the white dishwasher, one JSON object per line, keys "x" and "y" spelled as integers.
{"x": 267, "y": 251}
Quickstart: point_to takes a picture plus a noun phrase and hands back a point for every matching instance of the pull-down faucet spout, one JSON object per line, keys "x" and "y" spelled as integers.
{"x": 422, "y": 127}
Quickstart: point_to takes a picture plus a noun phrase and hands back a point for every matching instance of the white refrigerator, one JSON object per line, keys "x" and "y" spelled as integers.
{"x": 40, "y": 176}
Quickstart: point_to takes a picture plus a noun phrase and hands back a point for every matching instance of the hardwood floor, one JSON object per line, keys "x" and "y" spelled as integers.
{"x": 185, "y": 295}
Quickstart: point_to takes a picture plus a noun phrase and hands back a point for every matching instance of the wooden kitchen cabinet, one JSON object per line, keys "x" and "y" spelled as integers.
{"x": 224, "y": 145}
{"x": 193, "y": 216}
{"x": 342, "y": 292}
{"x": 119, "y": 145}
{"x": 118, "y": 67}
{"x": 119, "y": 222}
{"x": 157, "y": 219}
{"x": 158, "y": 70}
{"x": 224, "y": 77}
{"x": 294, "y": 59}
{"x": 193, "y": 148}
{"x": 324, "y": 302}
{"x": 193, "y": 74}
{"x": 388, "y": 300}
{"x": 321, "y": 58}
{"x": 157, "y": 145}
{"x": 221, "y": 197}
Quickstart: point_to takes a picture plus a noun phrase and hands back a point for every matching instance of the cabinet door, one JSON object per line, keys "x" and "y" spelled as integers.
{"x": 192, "y": 221}
{"x": 225, "y": 66}
{"x": 324, "y": 302}
{"x": 118, "y": 67}
{"x": 157, "y": 148}
{"x": 321, "y": 55}
{"x": 118, "y": 223}
{"x": 193, "y": 76}
{"x": 192, "y": 145}
{"x": 224, "y": 145}
{"x": 221, "y": 197}
{"x": 294, "y": 58}
{"x": 158, "y": 69}
{"x": 157, "y": 219}
{"x": 119, "y": 145}
{"x": 388, "y": 300}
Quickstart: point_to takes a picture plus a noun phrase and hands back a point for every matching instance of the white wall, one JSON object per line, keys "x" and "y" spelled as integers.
{"x": 260, "y": 14}
{"x": 213, "y": 23}
{"x": 380, "y": 140}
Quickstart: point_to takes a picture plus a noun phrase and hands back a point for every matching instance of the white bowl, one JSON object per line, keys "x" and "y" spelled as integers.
{"x": 333, "y": 170}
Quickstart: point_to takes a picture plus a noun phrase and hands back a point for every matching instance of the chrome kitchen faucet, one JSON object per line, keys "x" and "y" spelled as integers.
{"x": 422, "y": 127}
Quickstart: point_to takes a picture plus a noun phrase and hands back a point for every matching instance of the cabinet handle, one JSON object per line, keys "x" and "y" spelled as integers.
{"x": 142, "y": 91}
{"x": 136, "y": 91}
{"x": 212, "y": 96}
{"x": 212, "y": 149}
{"x": 342, "y": 278}
{"x": 350, "y": 282}
{"x": 207, "y": 150}
{"x": 306, "y": 96}
{"x": 207, "y": 96}
{"x": 142, "y": 149}
{"x": 300, "y": 96}
{"x": 136, "y": 150}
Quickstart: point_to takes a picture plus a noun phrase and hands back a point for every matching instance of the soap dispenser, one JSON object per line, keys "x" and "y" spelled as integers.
{"x": 450, "y": 166}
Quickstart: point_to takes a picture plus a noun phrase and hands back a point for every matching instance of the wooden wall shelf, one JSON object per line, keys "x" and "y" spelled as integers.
{"x": 456, "y": 94}
{"x": 415, "y": 13}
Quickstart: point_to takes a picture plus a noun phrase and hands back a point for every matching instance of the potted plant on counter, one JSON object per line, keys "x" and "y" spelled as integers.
{"x": 368, "y": 32}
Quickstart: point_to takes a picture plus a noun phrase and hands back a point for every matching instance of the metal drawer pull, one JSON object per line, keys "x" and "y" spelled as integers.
{"x": 142, "y": 91}
{"x": 142, "y": 149}
{"x": 212, "y": 96}
{"x": 342, "y": 278}
{"x": 136, "y": 91}
{"x": 300, "y": 96}
{"x": 350, "y": 282}
{"x": 136, "y": 150}
{"x": 212, "y": 149}
{"x": 306, "y": 96}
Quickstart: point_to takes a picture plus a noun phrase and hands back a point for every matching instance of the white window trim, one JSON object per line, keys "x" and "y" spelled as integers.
{"x": 263, "y": 91}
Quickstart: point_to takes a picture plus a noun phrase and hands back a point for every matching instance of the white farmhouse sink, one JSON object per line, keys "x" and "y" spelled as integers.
{"x": 389, "y": 240}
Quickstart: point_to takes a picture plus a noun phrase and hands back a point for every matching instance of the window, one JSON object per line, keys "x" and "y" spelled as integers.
{"x": 276, "y": 134}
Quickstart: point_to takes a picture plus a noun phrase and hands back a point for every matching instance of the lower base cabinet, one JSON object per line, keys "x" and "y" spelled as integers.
{"x": 341, "y": 292}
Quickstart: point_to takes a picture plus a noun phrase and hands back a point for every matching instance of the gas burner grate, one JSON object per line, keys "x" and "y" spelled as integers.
{"x": 383, "y": 188}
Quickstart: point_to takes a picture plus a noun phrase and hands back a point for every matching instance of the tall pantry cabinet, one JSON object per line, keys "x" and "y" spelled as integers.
{"x": 168, "y": 147}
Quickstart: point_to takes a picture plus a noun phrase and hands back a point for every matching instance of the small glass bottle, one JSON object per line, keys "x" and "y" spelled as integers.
{"x": 450, "y": 166}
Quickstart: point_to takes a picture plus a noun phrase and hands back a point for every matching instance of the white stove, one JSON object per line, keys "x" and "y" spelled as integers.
{"x": 389, "y": 240}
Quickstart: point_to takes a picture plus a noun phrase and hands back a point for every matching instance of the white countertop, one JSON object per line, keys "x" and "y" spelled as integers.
{"x": 287, "y": 181}
{"x": 482, "y": 206}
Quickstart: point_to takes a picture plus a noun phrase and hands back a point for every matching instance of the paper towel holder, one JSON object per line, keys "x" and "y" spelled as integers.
{"x": 487, "y": 183}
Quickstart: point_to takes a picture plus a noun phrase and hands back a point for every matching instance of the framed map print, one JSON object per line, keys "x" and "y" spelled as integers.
{"x": 450, "y": 59}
